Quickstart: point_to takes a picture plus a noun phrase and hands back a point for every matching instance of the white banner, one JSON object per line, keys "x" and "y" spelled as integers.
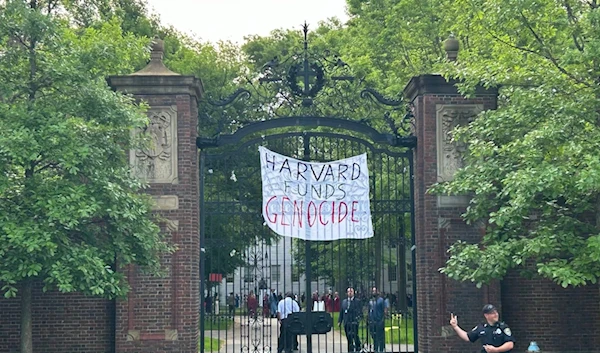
{"x": 316, "y": 201}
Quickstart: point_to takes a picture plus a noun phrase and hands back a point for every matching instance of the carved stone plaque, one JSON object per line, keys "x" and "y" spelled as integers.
{"x": 157, "y": 161}
{"x": 165, "y": 202}
{"x": 449, "y": 152}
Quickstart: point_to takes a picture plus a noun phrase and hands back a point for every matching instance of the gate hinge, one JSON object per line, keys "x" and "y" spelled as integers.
{"x": 205, "y": 142}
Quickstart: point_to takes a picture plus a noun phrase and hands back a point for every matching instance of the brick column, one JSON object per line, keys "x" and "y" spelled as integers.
{"x": 438, "y": 107}
{"x": 161, "y": 314}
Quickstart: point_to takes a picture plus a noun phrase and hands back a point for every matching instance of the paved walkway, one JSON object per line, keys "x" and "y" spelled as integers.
{"x": 260, "y": 336}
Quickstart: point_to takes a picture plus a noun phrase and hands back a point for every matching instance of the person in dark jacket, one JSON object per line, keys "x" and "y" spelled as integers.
{"x": 350, "y": 316}
{"x": 376, "y": 319}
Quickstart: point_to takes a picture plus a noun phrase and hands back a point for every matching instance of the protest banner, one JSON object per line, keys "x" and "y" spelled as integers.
{"x": 316, "y": 201}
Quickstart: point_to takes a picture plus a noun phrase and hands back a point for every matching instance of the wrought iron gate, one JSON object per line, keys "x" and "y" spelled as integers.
{"x": 238, "y": 316}
{"x": 246, "y": 268}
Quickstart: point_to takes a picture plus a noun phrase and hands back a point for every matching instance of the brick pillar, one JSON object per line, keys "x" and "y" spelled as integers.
{"x": 438, "y": 107}
{"x": 161, "y": 314}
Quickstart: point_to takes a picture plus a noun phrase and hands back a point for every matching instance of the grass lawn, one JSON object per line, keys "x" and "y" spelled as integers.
{"x": 212, "y": 344}
{"x": 394, "y": 333}
{"x": 217, "y": 322}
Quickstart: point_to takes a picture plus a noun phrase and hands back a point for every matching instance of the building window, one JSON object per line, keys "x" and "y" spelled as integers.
{"x": 249, "y": 274}
{"x": 295, "y": 273}
{"x": 392, "y": 272}
{"x": 275, "y": 273}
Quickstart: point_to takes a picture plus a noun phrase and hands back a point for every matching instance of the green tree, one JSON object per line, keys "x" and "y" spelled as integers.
{"x": 70, "y": 212}
{"x": 533, "y": 168}
{"x": 390, "y": 41}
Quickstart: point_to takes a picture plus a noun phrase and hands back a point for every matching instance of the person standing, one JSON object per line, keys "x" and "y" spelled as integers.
{"x": 231, "y": 304}
{"x": 336, "y": 302}
{"x": 377, "y": 320}
{"x": 350, "y": 316}
{"x": 208, "y": 304}
{"x": 252, "y": 304}
{"x": 287, "y": 340}
{"x": 273, "y": 301}
{"x": 266, "y": 306}
{"x": 495, "y": 336}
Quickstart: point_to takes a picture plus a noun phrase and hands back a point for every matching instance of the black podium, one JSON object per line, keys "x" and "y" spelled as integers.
{"x": 311, "y": 323}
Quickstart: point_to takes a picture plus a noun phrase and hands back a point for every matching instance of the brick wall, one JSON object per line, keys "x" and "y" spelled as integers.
{"x": 61, "y": 323}
{"x": 558, "y": 319}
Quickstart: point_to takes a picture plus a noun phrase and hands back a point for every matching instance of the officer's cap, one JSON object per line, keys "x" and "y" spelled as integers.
{"x": 489, "y": 308}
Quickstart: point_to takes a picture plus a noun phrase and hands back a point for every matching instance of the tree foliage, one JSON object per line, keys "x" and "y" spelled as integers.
{"x": 390, "y": 41}
{"x": 70, "y": 211}
{"x": 532, "y": 166}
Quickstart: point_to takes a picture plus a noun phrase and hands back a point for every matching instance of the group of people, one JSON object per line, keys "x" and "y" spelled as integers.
{"x": 211, "y": 303}
{"x": 495, "y": 336}
{"x": 351, "y": 314}
{"x": 329, "y": 302}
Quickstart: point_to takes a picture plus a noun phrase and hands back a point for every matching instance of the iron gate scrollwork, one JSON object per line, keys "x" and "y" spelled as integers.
{"x": 245, "y": 266}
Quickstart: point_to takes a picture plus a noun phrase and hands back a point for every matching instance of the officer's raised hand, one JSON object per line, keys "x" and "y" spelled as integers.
{"x": 460, "y": 332}
{"x": 453, "y": 320}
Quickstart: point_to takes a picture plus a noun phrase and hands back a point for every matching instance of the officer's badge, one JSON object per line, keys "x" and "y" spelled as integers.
{"x": 498, "y": 331}
{"x": 507, "y": 332}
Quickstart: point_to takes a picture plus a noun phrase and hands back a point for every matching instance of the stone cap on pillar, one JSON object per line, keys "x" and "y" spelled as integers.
{"x": 157, "y": 79}
{"x": 156, "y": 66}
{"x": 437, "y": 84}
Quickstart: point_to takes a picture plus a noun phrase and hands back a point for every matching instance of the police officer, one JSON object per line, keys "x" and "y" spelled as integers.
{"x": 495, "y": 336}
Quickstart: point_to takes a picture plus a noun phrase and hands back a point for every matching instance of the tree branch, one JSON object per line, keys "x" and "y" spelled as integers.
{"x": 549, "y": 55}
{"x": 49, "y": 165}
{"x": 574, "y": 22}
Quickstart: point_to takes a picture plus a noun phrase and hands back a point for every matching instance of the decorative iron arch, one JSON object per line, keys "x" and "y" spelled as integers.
{"x": 307, "y": 121}
{"x": 368, "y": 144}
{"x": 305, "y": 90}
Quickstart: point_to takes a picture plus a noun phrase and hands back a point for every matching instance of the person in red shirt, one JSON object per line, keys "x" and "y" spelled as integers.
{"x": 336, "y": 302}
{"x": 265, "y": 307}
{"x": 252, "y": 304}
{"x": 326, "y": 299}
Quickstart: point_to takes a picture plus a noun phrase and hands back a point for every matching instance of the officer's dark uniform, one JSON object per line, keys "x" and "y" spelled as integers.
{"x": 495, "y": 335}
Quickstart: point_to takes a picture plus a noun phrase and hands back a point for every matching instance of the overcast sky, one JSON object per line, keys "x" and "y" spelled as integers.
{"x": 213, "y": 20}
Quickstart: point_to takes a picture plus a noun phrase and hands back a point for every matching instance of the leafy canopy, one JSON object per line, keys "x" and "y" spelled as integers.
{"x": 532, "y": 166}
{"x": 69, "y": 209}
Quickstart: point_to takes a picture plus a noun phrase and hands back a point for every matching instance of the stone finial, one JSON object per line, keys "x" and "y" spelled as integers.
{"x": 158, "y": 49}
{"x": 451, "y": 46}
{"x": 156, "y": 67}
